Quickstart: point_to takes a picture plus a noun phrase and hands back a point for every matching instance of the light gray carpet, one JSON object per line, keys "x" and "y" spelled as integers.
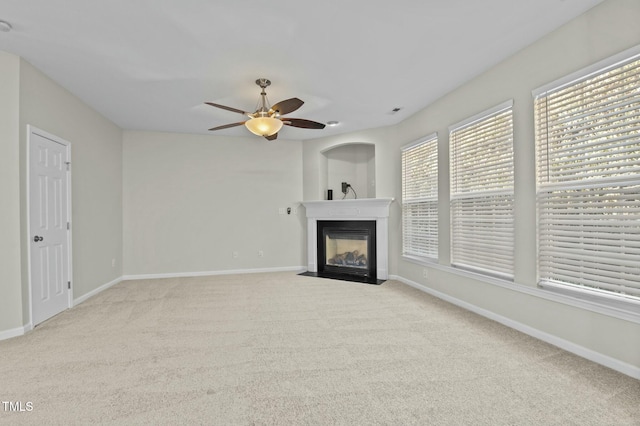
{"x": 289, "y": 350}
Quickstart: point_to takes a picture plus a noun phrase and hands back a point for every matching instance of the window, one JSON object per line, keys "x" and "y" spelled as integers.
{"x": 588, "y": 181}
{"x": 420, "y": 198}
{"x": 482, "y": 230}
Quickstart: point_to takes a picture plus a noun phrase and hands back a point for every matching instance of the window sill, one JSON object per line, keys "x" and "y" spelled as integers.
{"x": 426, "y": 261}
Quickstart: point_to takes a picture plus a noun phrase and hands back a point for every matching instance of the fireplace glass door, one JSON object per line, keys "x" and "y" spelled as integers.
{"x": 347, "y": 248}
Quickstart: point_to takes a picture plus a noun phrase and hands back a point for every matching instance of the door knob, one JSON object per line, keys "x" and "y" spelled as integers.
{"x": 37, "y": 238}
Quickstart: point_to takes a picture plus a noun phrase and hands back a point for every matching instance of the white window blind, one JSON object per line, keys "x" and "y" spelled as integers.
{"x": 588, "y": 182}
{"x": 420, "y": 198}
{"x": 482, "y": 230}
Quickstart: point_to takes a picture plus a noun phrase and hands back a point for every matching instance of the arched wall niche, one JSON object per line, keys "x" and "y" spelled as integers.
{"x": 354, "y": 163}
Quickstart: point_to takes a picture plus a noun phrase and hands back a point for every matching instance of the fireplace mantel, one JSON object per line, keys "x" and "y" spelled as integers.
{"x": 359, "y": 209}
{"x": 370, "y": 208}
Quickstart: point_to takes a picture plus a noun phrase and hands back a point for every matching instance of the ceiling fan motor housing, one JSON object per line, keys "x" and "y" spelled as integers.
{"x": 263, "y": 82}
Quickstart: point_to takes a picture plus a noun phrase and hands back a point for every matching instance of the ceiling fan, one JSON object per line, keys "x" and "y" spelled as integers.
{"x": 268, "y": 120}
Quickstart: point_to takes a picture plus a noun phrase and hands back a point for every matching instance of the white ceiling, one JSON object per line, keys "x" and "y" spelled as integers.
{"x": 150, "y": 64}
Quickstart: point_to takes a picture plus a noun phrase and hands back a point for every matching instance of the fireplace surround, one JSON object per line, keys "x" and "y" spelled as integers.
{"x": 358, "y": 220}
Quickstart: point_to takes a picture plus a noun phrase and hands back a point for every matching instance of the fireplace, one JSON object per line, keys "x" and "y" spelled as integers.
{"x": 348, "y": 239}
{"x": 347, "y": 248}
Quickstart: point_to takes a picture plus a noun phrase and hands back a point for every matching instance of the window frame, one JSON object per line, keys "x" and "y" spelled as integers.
{"x": 506, "y": 270}
{"x": 581, "y": 292}
{"x": 431, "y": 143}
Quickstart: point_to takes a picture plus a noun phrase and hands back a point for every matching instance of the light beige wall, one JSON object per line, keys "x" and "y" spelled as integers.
{"x": 10, "y": 276}
{"x": 192, "y": 200}
{"x": 96, "y": 157}
{"x": 317, "y": 151}
{"x": 605, "y": 30}
{"x": 351, "y": 164}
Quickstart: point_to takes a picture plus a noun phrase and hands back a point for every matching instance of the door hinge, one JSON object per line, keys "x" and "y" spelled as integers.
{"x": 69, "y": 285}
{"x": 68, "y": 226}
{"x": 68, "y": 163}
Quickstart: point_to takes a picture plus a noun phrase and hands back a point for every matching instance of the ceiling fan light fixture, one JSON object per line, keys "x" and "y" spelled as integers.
{"x": 264, "y": 126}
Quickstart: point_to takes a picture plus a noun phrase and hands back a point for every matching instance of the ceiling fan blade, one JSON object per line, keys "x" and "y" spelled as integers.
{"x": 273, "y": 137}
{"x": 287, "y": 106}
{"x": 227, "y": 108}
{"x": 305, "y": 124}
{"x": 226, "y": 126}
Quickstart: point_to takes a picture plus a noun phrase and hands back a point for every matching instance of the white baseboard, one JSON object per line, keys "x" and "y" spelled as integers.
{"x": 7, "y": 334}
{"x": 15, "y": 332}
{"x": 591, "y": 355}
{"x": 209, "y": 273}
{"x": 96, "y": 291}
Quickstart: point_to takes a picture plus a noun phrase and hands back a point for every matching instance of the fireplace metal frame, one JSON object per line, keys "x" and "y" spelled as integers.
{"x": 367, "y": 227}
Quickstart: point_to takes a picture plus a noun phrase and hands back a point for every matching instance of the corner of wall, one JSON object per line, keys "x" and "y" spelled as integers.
{"x": 11, "y": 315}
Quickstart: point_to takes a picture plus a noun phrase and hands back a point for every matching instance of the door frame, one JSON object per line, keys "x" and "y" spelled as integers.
{"x": 31, "y": 130}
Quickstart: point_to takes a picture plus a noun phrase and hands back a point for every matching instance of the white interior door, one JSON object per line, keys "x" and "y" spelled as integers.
{"x": 48, "y": 226}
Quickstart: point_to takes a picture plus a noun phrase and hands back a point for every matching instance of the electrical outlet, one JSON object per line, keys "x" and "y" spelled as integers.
{"x": 345, "y": 185}
{"x": 425, "y": 273}
{"x": 235, "y": 254}
{"x": 294, "y": 210}
{"x": 113, "y": 263}
{"x": 260, "y": 253}
{"x": 282, "y": 210}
